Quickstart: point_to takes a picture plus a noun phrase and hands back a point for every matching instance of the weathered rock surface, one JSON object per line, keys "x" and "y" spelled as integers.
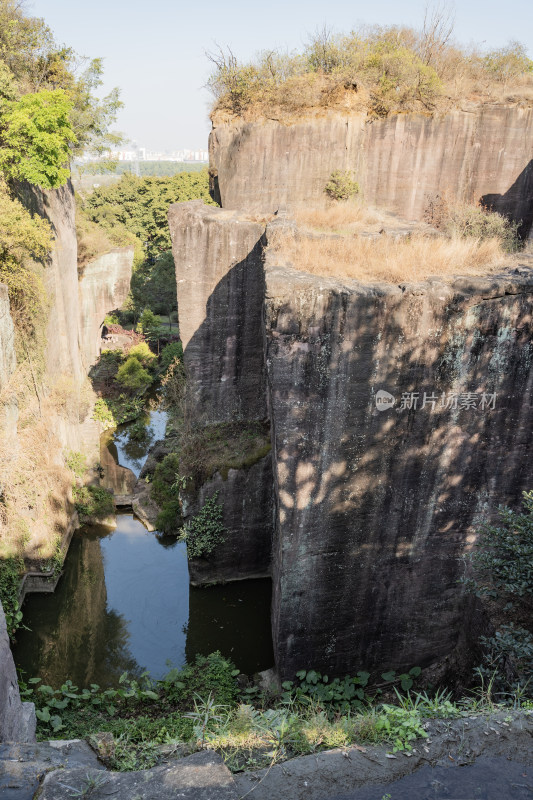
{"x": 218, "y": 257}
{"x": 8, "y": 400}
{"x": 493, "y": 740}
{"x": 17, "y": 719}
{"x": 219, "y": 272}
{"x": 201, "y": 776}
{"x": 119, "y": 480}
{"x": 103, "y": 286}
{"x": 24, "y": 766}
{"x": 246, "y": 498}
{"x": 143, "y": 506}
{"x": 7, "y": 339}
{"x": 375, "y": 508}
{"x": 400, "y": 162}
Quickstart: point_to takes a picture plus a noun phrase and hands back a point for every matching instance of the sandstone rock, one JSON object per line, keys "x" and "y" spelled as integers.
{"x": 218, "y": 257}
{"x": 143, "y": 506}
{"x": 17, "y": 719}
{"x": 103, "y": 286}
{"x": 201, "y": 776}
{"x": 246, "y": 499}
{"x": 376, "y": 507}
{"x": 400, "y": 162}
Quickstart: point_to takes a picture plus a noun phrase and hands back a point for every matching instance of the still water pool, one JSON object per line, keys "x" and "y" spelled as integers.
{"x": 124, "y": 603}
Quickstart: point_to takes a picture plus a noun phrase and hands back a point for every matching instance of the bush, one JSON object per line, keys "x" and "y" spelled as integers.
{"x": 170, "y": 352}
{"x": 212, "y": 674}
{"x": 341, "y": 186}
{"x": 143, "y": 354}
{"x": 465, "y": 221}
{"x": 76, "y": 463}
{"x": 93, "y": 502}
{"x": 11, "y": 570}
{"x": 169, "y": 518}
{"x": 133, "y": 376}
{"x": 206, "y": 530}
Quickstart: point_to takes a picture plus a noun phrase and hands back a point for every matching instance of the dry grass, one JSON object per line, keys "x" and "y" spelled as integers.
{"x": 342, "y": 217}
{"x": 36, "y": 485}
{"x": 388, "y": 258}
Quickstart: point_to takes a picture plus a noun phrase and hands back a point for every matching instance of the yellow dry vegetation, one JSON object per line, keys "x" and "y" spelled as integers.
{"x": 388, "y": 257}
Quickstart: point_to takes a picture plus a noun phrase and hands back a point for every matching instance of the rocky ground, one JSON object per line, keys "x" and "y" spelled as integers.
{"x": 487, "y": 757}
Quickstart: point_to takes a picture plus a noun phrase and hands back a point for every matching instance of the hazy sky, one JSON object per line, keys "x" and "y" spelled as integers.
{"x": 155, "y": 50}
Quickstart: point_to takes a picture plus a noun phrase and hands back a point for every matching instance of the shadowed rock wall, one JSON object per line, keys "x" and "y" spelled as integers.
{"x": 247, "y": 515}
{"x": 219, "y": 273}
{"x": 375, "y": 508}
{"x": 17, "y": 719}
{"x": 400, "y": 162}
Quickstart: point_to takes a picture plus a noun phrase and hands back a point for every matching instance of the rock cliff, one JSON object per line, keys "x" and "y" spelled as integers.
{"x": 377, "y": 504}
{"x": 400, "y": 162}
{"x": 17, "y": 719}
{"x": 103, "y": 286}
{"x": 374, "y": 504}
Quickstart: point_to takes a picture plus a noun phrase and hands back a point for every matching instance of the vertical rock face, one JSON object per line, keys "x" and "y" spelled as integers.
{"x": 8, "y": 400}
{"x": 375, "y": 507}
{"x": 103, "y": 286}
{"x": 400, "y": 162}
{"x": 7, "y": 339}
{"x": 17, "y": 719}
{"x": 219, "y": 273}
{"x": 63, "y": 353}
{"x": 246, "y": 498}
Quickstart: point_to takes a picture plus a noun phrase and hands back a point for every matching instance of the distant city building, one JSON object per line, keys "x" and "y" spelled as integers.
{"x": 142, "y": 154}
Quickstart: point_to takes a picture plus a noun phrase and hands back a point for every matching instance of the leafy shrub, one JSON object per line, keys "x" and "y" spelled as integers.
{"x": 478, "y": 223}
{"x": 93, "y": 502}
{"x": 206, "y": 529}
{"x": 11, "y": 570}
{"x": 503, "y": 559}
{"x": 341, "y": 186}
{"x": 171, "y": 351}
{"x": 400, "y": 726}
{"x": 133, "y": 376}
{"x": 143, "y": 354}
{"x": 169, "y": 518}
{"x": 212, "y": 674}
{"x": 76, "y": 463}
{"x": 508, "y": 661}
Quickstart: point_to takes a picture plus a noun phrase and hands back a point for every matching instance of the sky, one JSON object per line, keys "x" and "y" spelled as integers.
{"x": 154, "y": 51}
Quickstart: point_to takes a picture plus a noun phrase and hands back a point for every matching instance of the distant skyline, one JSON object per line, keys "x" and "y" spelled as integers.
{"x": 155, "y": 52}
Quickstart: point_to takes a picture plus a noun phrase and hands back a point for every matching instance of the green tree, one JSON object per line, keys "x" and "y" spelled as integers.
{"x": 35, "y": 138}
{"x": 133, "y": 376}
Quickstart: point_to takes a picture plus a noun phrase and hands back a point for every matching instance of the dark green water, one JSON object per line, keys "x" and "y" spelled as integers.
{"x": 124, "y": 603}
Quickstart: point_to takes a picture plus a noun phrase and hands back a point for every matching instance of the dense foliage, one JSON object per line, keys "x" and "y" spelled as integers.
{"x": 503, "y": 573}
{"x": 48, "y": 111}
{"x": 140, "y": 207}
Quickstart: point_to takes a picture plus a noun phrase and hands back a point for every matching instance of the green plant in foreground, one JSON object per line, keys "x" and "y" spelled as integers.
{"x": 400, "y": 726}
{"x": 205, "y": 530}
{"x": 76, "y": 463}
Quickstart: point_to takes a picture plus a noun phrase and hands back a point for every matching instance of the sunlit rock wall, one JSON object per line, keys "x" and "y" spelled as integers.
{"x": 103, "y": 286}
{"x": 401, "y": 162}
{"x": 376, "y": 507}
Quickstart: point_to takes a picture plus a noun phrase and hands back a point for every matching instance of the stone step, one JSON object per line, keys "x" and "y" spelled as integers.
{"x": 200, "y": 776}
{"x": 24, "y": 766}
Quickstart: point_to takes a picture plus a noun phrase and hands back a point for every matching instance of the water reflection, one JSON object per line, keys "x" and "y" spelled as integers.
{"x": 130, "y": 443}
{"x": 124, "y": 604}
